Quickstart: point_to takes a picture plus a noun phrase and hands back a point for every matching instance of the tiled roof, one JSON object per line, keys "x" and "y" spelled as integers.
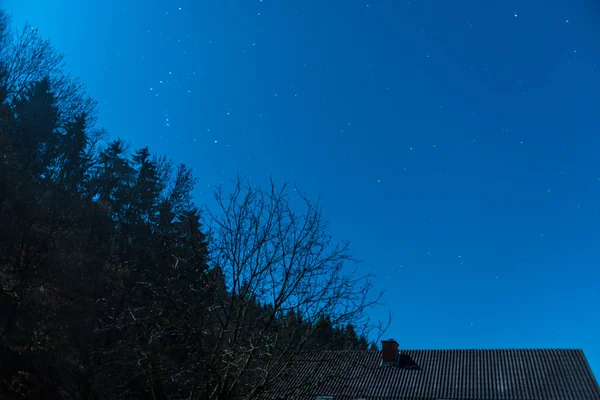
{"x": 544, "y": 374}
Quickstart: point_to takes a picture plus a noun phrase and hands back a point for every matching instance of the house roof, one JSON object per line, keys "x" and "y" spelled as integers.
{"x": 524, "y": 374}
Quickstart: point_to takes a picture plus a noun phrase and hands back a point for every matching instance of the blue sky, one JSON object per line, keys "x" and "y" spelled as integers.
{"x": 455, "y": 145}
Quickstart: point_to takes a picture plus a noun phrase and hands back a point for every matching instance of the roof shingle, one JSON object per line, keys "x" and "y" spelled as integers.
{"x": 524, "y": 374}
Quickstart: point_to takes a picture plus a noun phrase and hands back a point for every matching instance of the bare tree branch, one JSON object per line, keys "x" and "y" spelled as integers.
{"x": 275, "y": 257}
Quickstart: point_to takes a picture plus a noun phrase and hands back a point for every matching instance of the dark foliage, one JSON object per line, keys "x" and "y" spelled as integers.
{"x": 112, "y": 285}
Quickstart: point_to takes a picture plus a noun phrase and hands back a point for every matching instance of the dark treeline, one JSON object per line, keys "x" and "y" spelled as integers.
{"x": 114, "y": 284}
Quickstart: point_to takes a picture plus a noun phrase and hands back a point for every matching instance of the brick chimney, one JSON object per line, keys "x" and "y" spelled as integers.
{"x": 389, "y": 352}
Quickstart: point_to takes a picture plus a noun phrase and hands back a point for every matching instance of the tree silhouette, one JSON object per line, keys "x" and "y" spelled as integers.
{"x": 114, "y": 284}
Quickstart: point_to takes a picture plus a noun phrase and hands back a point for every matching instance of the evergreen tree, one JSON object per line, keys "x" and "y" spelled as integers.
{"x": 35, "y": 136}
{"x": 111, "y": 284}
{"x": 74, "y": 160}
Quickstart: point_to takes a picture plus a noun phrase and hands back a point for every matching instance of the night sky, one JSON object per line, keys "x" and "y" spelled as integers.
{"x": 455, "y": 144}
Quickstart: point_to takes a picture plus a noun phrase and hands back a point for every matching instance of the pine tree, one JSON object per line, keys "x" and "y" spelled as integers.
{"x": 74, "y": 160}
{"x": 35, "y": 136}
{"x": 111, "y": 284}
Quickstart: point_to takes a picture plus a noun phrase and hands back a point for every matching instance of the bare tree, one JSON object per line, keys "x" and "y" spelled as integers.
{"x": 275, "y": 262}
{"x": 27, "y": 58}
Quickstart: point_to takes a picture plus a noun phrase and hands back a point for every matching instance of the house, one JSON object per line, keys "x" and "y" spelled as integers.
{"x": 524, "y": 374}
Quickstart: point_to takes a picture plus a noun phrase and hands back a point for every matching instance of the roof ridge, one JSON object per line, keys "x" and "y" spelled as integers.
{"x": 459, "y": 349}
{"x": 497, "y": 348}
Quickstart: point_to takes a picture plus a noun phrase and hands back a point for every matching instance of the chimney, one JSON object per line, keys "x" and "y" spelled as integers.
{"x": 389, "y": 352}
